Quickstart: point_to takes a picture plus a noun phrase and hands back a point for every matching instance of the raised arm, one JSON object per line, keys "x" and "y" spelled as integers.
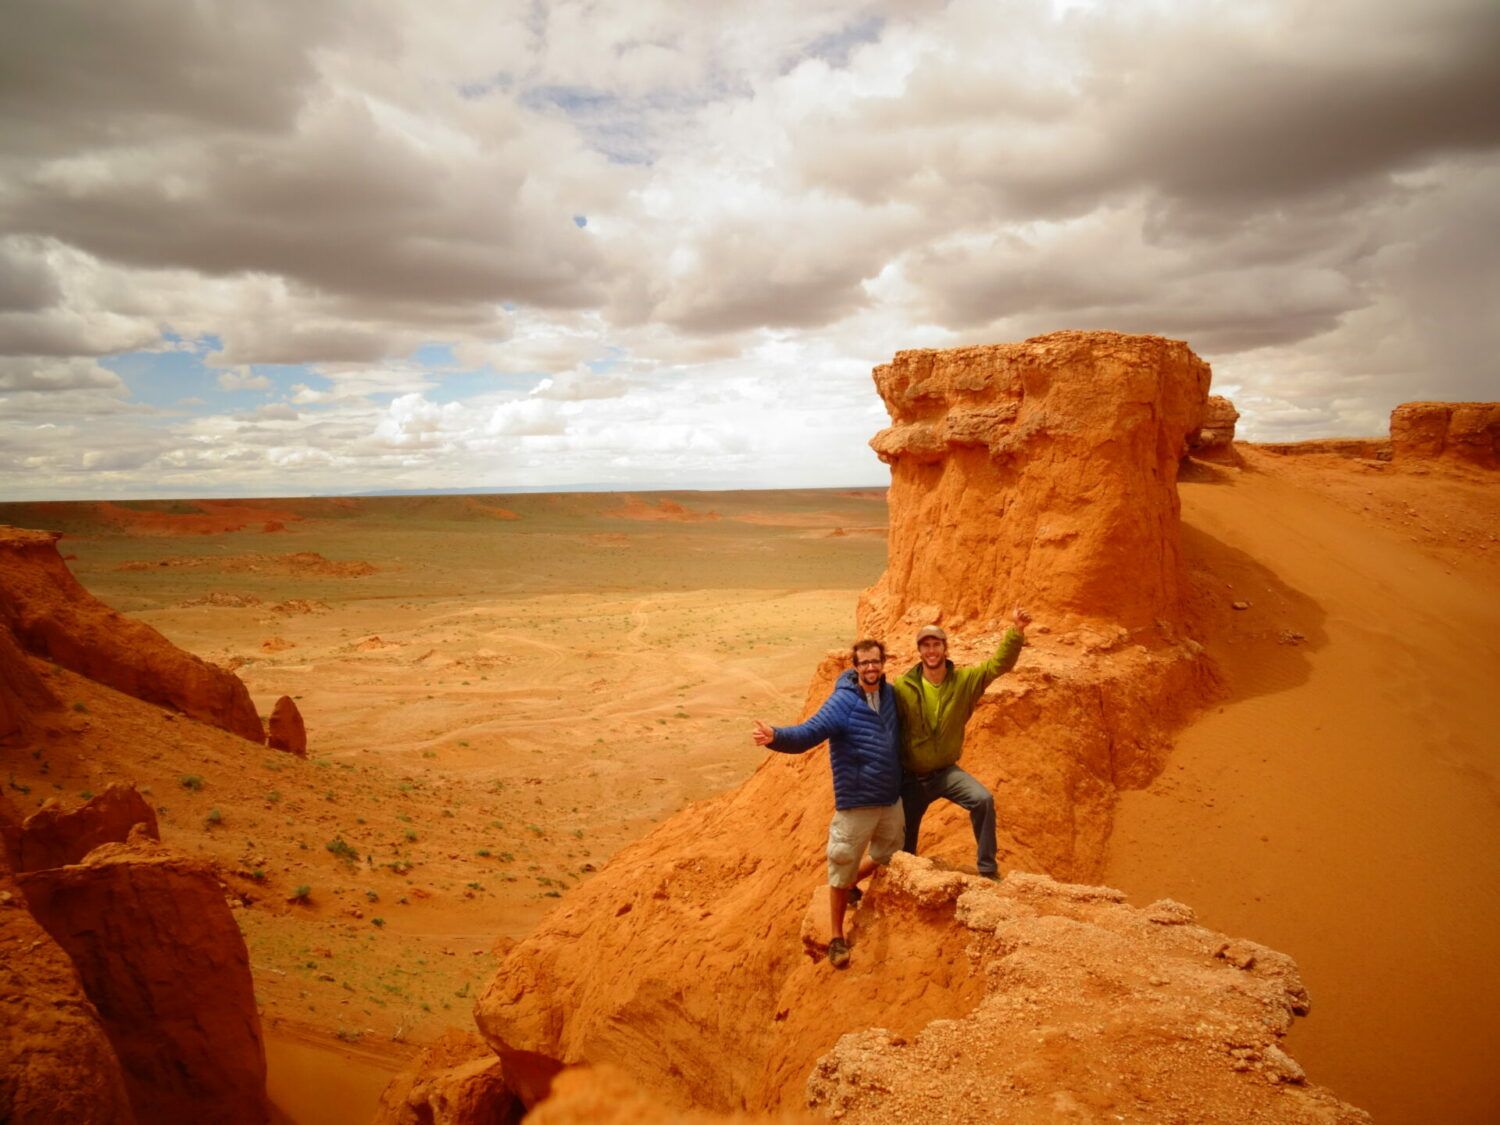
{"x": 1009, "y": 651}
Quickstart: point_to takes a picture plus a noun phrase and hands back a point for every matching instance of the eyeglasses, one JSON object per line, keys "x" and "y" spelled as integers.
{"x": 869, "y": 663}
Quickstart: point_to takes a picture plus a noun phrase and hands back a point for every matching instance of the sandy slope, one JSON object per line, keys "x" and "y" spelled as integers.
{"x": 1341, "y": 806}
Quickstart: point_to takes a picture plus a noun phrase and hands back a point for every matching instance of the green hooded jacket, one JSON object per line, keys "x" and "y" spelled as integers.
{"x": 925, "y": 747}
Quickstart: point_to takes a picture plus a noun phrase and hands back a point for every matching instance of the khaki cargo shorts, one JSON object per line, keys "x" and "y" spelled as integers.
{"x": 878, "y": 827}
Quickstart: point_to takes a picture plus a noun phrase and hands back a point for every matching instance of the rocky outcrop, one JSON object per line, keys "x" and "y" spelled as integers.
{"x": 56, "y": 1063}
{"x": 1216, "y": 434}
{"x": 285, "y": 731}
{"x": 455, "y": 1081}
{"x": 160, "y": 957}
{"x": 1042, "y": 472}
{"x": 53, "y": 616}
{"x": 55, "y": 837}
{"x": 1465, "y": 433}
{"x": 23, "y": 695}
{"x": 1090, "y": 1008}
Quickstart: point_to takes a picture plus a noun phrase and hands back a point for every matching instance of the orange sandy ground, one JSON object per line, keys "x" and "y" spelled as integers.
{"x": 506, "y": 701}
{"x": 544, "y": 688}
{"x": 1342, "y": 804}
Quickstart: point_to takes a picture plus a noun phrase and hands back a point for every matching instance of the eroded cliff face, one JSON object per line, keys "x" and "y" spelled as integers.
{"x": 53, "y": 616}
{"x": 126, "y": 983}
{"x": 1464, "y": 433}
{"x": 56, "y": 1062}
{"x": 160, "y": 956}
{"x": 24, "y": 698}
{"x": 1043, "y": 474}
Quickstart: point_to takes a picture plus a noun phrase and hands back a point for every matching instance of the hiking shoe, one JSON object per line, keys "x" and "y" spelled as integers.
{"x": 855, "y": 894}
{"x": 838, "y": 953}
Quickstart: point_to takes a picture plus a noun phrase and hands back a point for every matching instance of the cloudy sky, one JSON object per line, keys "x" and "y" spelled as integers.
{"x": 272, "y": 249}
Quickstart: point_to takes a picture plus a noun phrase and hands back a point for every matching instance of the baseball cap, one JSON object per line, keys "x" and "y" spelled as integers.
{"x": 931, "y": 631}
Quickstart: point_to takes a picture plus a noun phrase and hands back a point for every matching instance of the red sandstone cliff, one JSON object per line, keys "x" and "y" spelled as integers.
{"x": 131, "y": 997}
{"x": 1040, "y": 473}
{"x": 56, "y": 1063}
{"x": 53, "y": 616}
{"x": 23, "y": 696}
{"x": 1466, "y": 433}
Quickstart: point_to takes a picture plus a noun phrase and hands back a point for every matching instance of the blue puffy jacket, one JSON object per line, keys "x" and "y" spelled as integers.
{"x": 864, "y": 748}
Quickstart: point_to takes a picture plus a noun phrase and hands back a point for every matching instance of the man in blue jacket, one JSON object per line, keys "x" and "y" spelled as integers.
{"x": 861, "y": 725}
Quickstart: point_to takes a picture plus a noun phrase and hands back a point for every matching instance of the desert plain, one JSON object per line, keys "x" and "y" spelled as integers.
{"x": 500, "y": 692}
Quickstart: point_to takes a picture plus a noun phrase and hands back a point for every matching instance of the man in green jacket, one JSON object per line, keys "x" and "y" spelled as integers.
{"x": 936, "y": 698}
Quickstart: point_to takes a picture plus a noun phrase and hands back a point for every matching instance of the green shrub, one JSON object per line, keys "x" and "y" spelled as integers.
{"x": 342, "y": 850}
{"x": 191, "y": 781}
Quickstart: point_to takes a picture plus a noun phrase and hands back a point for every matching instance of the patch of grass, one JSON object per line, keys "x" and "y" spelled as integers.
{"x": 191, "y": 781}
{"x": 411, "y": 836}
{"x": 372, "y": 896}
{"x": 213, "y": 819}
{"x": 348, "y": 1035}
{"x": 302, "y": 894}
{"x": 483, "y": 853}
{"x": 258, "y": 875}
{"x": 343, "y": 850}
{"x": 80, "y": 708}
{"x": 87, "y": 794}
{"x": 377, "y": 922}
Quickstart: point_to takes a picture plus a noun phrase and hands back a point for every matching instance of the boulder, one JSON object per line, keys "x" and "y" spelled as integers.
{"x": 56, "y": 1063}
{"x": 1217, "y": 432}
{"x": 285, "y": 730}
{"x": 1466, "y": 433}
{"x": 161, "y": 958}
{"x": 23, "y": 695}
{"x": 54, "y": 617}
{"x": 455, "y": 1081}
{"x": 53, "y": 837}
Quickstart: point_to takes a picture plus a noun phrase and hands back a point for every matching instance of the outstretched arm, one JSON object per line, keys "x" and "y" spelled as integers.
{"x": 803, "y": 736}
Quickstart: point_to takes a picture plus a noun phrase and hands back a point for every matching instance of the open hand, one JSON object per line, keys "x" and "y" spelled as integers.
{"x": 762, "y": 734}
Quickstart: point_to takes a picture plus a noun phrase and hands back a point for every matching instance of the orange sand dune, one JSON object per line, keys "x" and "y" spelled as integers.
{"x": 1341, "y": 805}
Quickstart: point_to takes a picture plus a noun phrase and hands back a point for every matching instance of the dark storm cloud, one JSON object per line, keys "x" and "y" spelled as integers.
{"x": 74, "y": 72}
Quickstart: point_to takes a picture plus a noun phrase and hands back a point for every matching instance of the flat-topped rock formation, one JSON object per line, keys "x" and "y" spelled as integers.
{"x": 1042, "y": 472}
{"x": 1467, "y": 433}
